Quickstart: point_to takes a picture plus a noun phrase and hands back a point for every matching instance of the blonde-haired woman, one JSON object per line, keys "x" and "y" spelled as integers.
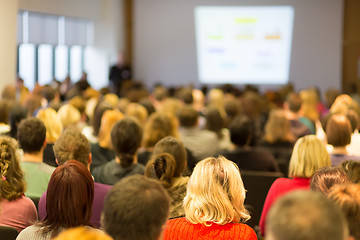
{"x": 102, "y": 151}
{"x": 69, "y": 116}
{"x": 278, "y": 138}
{"x": 308, "y": 156}
{"x": 54, "y": 128}
{"x": 16, "y": 210}
{"x": 214, "y": 204}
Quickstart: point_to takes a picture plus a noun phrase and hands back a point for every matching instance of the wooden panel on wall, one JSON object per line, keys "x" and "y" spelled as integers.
{"x": 128, "y": 8}
{"x": 351, "y": 46}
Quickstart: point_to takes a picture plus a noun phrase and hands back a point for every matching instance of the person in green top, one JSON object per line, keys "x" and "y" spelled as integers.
{"x": 32, "y": 139}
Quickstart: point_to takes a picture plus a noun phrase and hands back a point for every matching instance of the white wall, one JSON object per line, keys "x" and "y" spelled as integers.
{"x": 8, "y": 13}
{"x": 108, "y": 30}
{"x": 165, "y": 51}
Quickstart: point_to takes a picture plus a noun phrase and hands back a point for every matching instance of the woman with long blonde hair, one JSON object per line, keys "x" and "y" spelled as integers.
{"x": 214, "y": 204}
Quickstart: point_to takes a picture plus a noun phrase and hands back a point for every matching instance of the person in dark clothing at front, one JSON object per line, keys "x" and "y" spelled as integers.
{"x": 245, "y": 156}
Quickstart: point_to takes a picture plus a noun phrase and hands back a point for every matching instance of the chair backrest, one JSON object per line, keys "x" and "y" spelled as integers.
{"x": 8, "y": 233}
{"x": 257, "y": 185}
{"x": 36, "y": 201}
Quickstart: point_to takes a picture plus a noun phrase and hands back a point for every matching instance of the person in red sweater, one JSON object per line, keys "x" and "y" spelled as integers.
{"x": 214, "y": 204}
{"x": 308, "y": 156}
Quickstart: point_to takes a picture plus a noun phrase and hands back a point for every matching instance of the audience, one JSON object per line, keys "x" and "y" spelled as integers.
{"x": 126, "y": 139}
{"x": 69, "y": 201}
{"x": 32, "y": 139}
{"x": 211, "y": 201}
{"x": 245, "y": 156}
{"x": 167, "y": 164}
{"x": 72, "y": 145}
{"x": 214, "y": 204}
{"x": 308, "y": 156}
{"x": 306, "y": 215}
{"x": 136, "y": 208}
{"x": 16, "y": 210}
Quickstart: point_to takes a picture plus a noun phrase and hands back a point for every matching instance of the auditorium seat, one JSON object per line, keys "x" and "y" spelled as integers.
{"x": 257, "y": 185}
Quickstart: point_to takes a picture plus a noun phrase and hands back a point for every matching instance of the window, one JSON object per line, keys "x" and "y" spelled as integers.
{"x": 51, "y": 47}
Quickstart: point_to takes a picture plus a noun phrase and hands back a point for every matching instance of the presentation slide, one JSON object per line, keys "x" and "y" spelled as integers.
{"x": 244, "y": 45}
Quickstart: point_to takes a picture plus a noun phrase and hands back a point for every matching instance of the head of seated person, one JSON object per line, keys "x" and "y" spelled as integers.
{"x": 338, "y": 131}
{"x": 309, "y": 155}
{"x": 136, "y": 208}
{"x": 347, "y": 197}
{"x": 72, "y": 145}
{"x": 352, "y": 170}
{"x": 69, "y": 200}
{"x": 241, "y": 131}
{"x": 108, "y": 120}
{"x": 215, "y": 193}
{"x": 31, "y": 135}
{"x": 83, "y": 233}
{"x": 325, "y": 178}
{"x": 188, "y": 117}
{"x": 306, "y": 215}
{"x": 126, "y": 136}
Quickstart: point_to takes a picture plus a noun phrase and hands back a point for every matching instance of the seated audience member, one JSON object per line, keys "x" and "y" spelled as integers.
{"x": 201, "y": 143}
{"x": 338, "y": 133}
{"x": 31, "y": 136}
{"x": 216, "y": 123}
{"x": 167, "y": 164}
{"x": 69, "y": 202}
{"x": 308, "y": 156}
{"x": 353, "y": 147}
{"x": 158, "y": 126}
{"x": 352, "y": 170}
{"x": 83, "y": 233}
{"x": 347, "y": 197}
{"x": 245, "y": 156}
{"x": 54, "y": 128}
{"x": 214, "y": 204}
{"x": 69, "y": 116}
{"x": 292, "y": 107}
{"x": 17, "y": 113}
{"x": 136, "y": 208}
{"x": 102, "y": 152}
{"x": 126, "y": 139}
{"x": 137, "y": 111}
{"x": 324, "y": 178}
{"x": 4, "y": 117}
{"x": 72, "y": 145}
{"x": 16, "y": 210}
{"x": 278, "y": 138}
{"x": 306, "y": 215}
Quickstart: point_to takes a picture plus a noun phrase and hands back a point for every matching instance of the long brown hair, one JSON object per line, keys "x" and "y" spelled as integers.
{"x": 12, "y": 185}
{"x": 70, "y": 196}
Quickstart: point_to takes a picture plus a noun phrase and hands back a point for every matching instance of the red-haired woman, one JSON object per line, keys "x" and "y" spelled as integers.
{"x": 70, "y": 196}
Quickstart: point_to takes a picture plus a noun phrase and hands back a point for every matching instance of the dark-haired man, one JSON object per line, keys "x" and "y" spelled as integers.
{"x": 245, "y": 156}
{"x": 31, "y": 136}
{"x": 136, "y": 208}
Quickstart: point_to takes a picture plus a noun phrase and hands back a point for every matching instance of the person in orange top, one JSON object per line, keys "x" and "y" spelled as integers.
{"x": 214, "y": 204}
